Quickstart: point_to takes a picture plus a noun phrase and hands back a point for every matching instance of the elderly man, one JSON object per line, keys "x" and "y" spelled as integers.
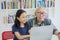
{"x": 40, "y": 20}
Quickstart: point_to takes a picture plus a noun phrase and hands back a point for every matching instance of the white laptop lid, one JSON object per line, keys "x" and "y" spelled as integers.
{"x": 41, "y": 33}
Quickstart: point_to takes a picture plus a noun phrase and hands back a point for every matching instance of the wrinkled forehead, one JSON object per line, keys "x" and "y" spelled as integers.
{"x": 40, "y": 9}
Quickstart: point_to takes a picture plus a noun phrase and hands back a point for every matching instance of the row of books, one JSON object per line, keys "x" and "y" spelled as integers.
{"x": 17, "y": 4}
{"x": 10, "y": 18}
{"x": 9, "y": 4}
{"x": 46, "y": 3}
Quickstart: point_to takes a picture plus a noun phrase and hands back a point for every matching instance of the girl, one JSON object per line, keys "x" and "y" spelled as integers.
{"x": 21, "y": 28}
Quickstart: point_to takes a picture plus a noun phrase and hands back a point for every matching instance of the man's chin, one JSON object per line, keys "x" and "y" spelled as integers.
{"x": 42, "y": 20}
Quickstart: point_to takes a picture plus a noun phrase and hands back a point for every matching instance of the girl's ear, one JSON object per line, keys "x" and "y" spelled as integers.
{"x": 17, "y": 18}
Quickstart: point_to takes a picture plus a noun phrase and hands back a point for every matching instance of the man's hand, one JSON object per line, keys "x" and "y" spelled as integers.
{"x": 57, "y": 33}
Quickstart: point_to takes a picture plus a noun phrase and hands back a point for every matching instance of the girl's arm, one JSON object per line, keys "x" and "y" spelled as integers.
{"x": 21, "y": 36}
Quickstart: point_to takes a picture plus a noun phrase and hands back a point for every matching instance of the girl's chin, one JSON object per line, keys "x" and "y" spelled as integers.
{"x": 24, "y": 22}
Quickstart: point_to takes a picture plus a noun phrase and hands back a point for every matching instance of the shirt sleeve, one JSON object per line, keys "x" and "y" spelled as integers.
{"x": 54, "y": 27}
{"x": 14, "y": 29}
{"x": 30, "y": 22}
{"x": 28, "y": 26}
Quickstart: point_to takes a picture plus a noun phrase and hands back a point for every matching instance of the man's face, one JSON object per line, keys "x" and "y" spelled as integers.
{"x": 40, "y": 14}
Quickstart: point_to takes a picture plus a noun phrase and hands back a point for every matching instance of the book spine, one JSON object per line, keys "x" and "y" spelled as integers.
{"x": 21, "y": 4}
{"x": 30, "y": 3}
{"x": 24, "y": 3}
{"x": 1, "y": 5}
{"x": 5, "y": 20}
{"x": 13, "y": 6}
{"x": 4, "y": 4}
{"x": 35, "y": 3}
{"x": 27, "y": 3}
{"x": 18, "y": 4}
{"x": 10, "y": 5}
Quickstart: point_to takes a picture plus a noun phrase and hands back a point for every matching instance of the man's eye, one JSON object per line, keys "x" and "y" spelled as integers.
{"x": 38, "y": 12}
{"x": 23, "y": 17}
{"x": 42, "y": 13}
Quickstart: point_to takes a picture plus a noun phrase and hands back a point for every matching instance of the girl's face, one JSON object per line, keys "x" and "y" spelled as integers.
{"x": 23, "y": 18}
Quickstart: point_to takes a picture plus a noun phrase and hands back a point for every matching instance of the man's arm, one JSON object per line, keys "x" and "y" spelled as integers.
{"x": 30, "y": 23}
{"x": 57, "y": 33}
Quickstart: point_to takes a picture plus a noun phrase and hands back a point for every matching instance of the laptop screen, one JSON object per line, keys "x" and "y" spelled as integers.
{"x": 41, "y": 33}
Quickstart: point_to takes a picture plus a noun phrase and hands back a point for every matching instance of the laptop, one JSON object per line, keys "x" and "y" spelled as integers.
{"x": 41, "y": 33}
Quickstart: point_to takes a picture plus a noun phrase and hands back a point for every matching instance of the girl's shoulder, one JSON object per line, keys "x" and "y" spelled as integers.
{"x": 14, "y": 26}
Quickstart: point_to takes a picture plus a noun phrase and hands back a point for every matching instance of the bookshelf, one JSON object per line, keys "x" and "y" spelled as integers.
{"x": 8, "y": 8}
{"x": 18, "y": 4}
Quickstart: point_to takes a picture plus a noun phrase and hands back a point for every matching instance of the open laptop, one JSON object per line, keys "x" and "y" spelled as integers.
{"x": 41, "y": 33}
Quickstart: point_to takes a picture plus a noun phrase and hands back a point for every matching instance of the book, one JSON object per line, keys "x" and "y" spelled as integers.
{"x": 27, "y": 3}
{"x": 20, "y": 4}
{"x": 41, "y": 3}
{"x": 30, "y": 4}
{"x": 3, "y": 5}
{"x": 48, "y": 3}
{"x": 11, "y": 18}
{"x": 5, "y": 20}
{"x": 33, "y": 3}
{"x": 15, "y": 4}
{"x": 53, "y": 3}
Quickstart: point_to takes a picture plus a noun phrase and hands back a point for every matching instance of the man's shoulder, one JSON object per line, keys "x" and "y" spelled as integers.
{"x": 47, "y": 21}
{"x": 30, "y": 22}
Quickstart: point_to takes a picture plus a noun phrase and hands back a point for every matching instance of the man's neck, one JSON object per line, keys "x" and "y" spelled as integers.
{"x": 40, "y": 20}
